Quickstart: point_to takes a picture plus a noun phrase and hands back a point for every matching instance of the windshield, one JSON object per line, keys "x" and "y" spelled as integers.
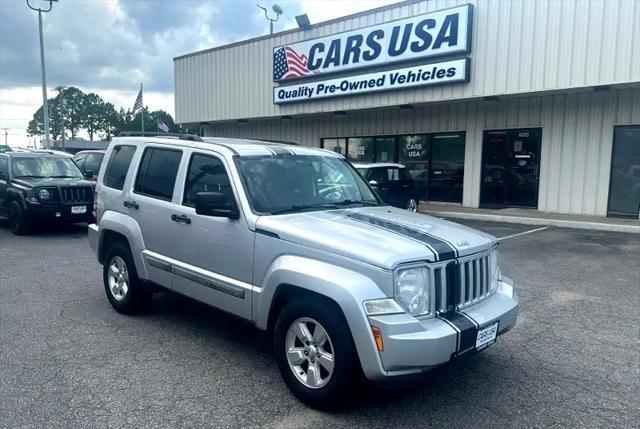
{"x": 45, "y": 167}
{"x": 286, "y": 184}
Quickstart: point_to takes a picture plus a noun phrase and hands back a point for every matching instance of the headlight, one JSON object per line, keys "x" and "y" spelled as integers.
{"x": 494, "y": 269}
{"x": 43, "y": 194}
{"x": 411, "y": 290}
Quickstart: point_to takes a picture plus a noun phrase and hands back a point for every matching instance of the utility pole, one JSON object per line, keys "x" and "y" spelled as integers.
{"x": 45, "y": 102}
{"x": 6, "y": 134}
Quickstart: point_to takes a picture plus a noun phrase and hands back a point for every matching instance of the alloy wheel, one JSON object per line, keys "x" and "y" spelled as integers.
{"x": 310, "y": 353}
{"x": 118, "y": 277}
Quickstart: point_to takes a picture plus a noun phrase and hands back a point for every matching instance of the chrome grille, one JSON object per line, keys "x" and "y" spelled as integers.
{"x": 462, "y": 283}
{"x": 77, "y": 194}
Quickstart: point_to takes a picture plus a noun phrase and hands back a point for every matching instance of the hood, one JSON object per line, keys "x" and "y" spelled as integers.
{"x": 32, "y": 182}
{"x": 380, "y": 236}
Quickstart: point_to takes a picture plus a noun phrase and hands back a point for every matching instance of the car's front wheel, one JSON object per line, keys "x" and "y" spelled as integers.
{"x": 315, "y": 353}
{"x": 126, "y": 293}
{"x": 18, "y": 221}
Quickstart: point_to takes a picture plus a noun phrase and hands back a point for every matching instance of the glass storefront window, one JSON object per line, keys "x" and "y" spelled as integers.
{"x": 447, "y": 167}
{"x": 361, "y": 149}
{"x": 335, "y": 145}
{"x": 414, "y": 152}
{"x": 385, "y": 149}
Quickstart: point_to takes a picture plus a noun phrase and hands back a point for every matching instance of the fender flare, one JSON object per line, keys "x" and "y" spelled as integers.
{"x": 129, "y": 228}
{"x": 347, "y": 288}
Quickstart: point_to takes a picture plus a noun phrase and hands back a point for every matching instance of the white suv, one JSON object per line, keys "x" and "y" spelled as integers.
{"x": 295, "y": 241}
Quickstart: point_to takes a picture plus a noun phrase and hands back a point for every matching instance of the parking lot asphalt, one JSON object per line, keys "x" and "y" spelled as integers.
{"x": 68, "y": 360}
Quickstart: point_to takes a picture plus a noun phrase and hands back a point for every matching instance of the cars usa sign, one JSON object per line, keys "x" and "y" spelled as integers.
{"x": 435, "y": 34}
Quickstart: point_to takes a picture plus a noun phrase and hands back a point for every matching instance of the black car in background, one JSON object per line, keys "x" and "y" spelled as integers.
{"x": 89, "y": 162}
{"x": 40, "y": 187}
{"x": 392, "y": 182}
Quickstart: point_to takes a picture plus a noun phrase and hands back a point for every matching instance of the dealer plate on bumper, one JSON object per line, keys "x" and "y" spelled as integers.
{"x": 486, "y": 336}
{"x": 78, "y": 209}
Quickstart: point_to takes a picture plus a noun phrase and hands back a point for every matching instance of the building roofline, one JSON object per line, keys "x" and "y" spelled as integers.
{"x": 294, "y": 30}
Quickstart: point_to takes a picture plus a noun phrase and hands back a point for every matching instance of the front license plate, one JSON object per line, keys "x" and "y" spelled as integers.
{"x": 486, "y": 336}
{"x": 78, "y": 209}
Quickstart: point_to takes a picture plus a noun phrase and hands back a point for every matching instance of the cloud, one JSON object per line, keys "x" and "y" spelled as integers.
{"x": 110, "y": 46}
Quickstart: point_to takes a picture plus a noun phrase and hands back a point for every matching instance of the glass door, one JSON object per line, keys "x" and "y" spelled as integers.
{"x": 510, "y": 168}
{"x": 447, "y": 167}
{"x": 624, "y": 185}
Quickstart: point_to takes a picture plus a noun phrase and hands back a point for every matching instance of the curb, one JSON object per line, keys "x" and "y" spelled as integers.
{"x": 596, "y": 226}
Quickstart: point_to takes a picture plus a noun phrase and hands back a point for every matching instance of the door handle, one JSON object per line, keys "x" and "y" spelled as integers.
{"x": 131, "y": 205}
{"x": 181, "y": 218}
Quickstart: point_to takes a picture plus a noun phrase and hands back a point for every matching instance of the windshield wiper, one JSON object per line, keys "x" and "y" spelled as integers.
{"x": 300, "y": 207}
{"x": 351, "y": 202}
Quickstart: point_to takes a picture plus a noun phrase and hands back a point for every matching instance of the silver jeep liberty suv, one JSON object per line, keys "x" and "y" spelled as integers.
{"x": 294, "y": 240}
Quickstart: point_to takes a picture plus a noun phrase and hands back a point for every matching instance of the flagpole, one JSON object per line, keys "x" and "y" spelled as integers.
{"x": 142, "y": 109}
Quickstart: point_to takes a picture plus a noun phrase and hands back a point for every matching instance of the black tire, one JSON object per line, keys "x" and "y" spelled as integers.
{"x": 347, "y": 372}
{"x": 137, "y": 296}
{"x": 19, "y": 223}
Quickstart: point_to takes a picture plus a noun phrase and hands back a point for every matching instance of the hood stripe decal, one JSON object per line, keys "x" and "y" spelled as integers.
{"x": 442, "y": 249}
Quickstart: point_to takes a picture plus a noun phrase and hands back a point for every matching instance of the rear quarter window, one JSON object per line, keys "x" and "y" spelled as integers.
{"x": 119, "y": 162}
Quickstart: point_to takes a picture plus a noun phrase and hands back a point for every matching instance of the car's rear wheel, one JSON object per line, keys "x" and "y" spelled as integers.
{"x": 315, "y": 353}
{"x": 125, "y": 291}
{"x": 18, "y": 222}
{"x": 412, "y": 204}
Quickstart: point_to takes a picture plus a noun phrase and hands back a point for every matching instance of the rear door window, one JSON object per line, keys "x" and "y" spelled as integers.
{"x": 157, "y": 173}
{"x": 118, "y": 166}
{"x": 393, "y": 175}
{"x": 92, "y": 162}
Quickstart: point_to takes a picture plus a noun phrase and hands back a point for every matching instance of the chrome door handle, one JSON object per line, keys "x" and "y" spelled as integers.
{"x": 181, "y": 218}
{"x": 131, "y": 205}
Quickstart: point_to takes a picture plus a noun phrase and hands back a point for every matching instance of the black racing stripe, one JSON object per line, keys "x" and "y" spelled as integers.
{"x": 442, "y": 249}
{"x": 468, "y": 330}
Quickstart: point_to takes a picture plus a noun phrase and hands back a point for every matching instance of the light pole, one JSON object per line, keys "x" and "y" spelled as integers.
{"x": 6, "y": 134}
{"x": 278, "y": 11}
{"x": 45, "y": 103}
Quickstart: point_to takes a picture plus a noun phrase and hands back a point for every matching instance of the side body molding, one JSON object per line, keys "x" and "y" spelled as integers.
{"x": 347, "y": 288}
{"x": 127, "y": 226}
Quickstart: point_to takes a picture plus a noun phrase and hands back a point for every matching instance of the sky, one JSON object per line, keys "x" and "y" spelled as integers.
{"x": 110, "y": 46}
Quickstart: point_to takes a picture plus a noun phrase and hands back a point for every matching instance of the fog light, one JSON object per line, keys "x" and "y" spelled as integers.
{"x": 58, "y": 214}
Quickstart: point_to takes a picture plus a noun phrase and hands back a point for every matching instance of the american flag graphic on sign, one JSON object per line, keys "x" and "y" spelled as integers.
{"x": 287, "y": 64}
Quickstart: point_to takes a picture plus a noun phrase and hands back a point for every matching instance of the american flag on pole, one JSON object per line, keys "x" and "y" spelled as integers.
{"x": 138, "y": 104}
{"x": 162, "y": 126}
{"x": 287, "y": 63}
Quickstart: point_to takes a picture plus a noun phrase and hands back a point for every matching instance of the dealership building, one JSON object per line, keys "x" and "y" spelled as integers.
{"x": 488, "y": 103}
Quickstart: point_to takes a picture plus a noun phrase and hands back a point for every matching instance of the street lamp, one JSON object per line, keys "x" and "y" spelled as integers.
{"x": 278, "y": 11}
{"x": 45, "y": 103}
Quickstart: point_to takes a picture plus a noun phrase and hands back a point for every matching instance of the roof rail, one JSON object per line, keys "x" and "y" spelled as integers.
{"x": 179, "y": 136}
{"x": 287, "y": 142}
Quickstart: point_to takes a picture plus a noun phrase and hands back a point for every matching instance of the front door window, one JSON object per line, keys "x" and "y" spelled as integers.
{"x": 624, "y": 194}
{"x": 510, "y": 168}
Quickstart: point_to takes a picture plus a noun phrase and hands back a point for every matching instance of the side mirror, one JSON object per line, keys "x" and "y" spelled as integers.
{"x": 373, "y": 183}
{"x": 216, "y": 205}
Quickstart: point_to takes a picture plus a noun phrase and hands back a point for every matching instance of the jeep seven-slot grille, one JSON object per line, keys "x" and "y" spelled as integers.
{"x": 462, "y": 283}
{"x": 77, "y": 194}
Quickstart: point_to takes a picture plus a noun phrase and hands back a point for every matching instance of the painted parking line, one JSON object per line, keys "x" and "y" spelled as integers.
{"x": 523, "y": 233}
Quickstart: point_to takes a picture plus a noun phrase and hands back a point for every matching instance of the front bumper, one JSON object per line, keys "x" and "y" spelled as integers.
{"x": 412, "y": 345}
{"x": 59, "y": 212}
{"x": 93, "y": 234}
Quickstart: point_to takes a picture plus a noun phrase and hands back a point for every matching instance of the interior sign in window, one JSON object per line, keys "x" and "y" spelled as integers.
{"x": 439, "y": 33}
{"x": 427, "y": 74}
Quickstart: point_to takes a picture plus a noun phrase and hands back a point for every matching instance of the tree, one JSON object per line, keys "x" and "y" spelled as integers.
{"x": 73, "y": 112}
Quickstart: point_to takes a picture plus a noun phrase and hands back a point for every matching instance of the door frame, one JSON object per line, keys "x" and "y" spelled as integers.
{"x": 613, "y": 144}
{"x": 482, "y": 165}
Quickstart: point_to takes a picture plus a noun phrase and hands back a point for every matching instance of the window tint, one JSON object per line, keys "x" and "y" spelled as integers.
{"x": 79, "y": 160}
{"x": 393, "y": 175}
{"x": 157, "y": 173}
{"x": 378, "y": 174}
{"x": 4, "y": 167}
{"x": 206, "y": 174}
{"x": 92, "y": 162}
{"x": 118, "y": 166}
{"x": 403, "y": 174}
